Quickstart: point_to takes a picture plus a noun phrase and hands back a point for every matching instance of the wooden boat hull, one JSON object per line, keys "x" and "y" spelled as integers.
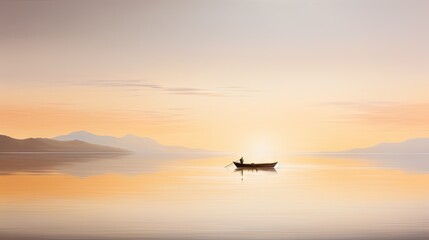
{"x": 258, "y": 169}
{"x": 255, "y": 165}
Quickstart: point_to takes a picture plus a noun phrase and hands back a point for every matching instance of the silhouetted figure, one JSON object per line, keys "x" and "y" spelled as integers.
{"x": 241, "y": 160}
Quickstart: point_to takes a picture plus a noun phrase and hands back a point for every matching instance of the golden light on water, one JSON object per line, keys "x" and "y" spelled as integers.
{"x": 305, "y": 197}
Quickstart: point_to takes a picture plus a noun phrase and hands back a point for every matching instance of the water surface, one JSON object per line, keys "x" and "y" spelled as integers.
{"x": 53, "y": 196}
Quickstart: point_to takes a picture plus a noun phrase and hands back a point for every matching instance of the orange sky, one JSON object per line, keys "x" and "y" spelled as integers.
{"x": 284, "y": 76}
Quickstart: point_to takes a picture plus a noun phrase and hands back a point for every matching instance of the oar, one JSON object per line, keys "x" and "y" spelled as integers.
{"x": 229, "y": 165}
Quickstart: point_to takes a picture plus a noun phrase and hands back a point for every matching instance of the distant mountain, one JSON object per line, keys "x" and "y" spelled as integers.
{"x": 410, "y": 155}
{"x": 8, "y": 144}
{"x": 418, "y": 145}
{"x": 141, "y": 145}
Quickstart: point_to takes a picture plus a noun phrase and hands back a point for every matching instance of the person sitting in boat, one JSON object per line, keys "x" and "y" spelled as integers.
{"x": 241, "y": 160}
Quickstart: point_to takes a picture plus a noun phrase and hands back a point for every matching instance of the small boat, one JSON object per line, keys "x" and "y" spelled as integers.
{"x": 255, "y": 165}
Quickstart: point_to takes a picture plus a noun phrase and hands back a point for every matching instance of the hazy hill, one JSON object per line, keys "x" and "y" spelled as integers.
{"x": 141, "y": 145}
{"x": 410, "y": 155}
{"x": 8, "y": 144}
{"x": 418, "y": 145}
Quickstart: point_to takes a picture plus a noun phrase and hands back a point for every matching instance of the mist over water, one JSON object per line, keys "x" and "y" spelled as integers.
{"x": 69, "y": 196}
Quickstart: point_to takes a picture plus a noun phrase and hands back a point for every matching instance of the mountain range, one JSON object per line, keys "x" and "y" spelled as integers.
{"x": 417, "y": 145}
{"x": 410, "y": 155}
{"x": 83, "y": 141}
{"x": 8, "y": 144}
{"x": 136, "y": 144}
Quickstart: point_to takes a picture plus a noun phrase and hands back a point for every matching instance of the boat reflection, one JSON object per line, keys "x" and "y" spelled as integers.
{"x": 252, "y": 170}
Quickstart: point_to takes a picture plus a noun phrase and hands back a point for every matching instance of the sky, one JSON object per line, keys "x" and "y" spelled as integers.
{"x": 289, "y": 76}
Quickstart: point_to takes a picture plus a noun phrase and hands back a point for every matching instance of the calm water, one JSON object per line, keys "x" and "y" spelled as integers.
{"x": 50, "y": 196}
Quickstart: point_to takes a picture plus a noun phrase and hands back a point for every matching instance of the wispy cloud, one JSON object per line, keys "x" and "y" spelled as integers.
{"x": 159, "y": 117}
{"x": 138, "y": 85}
{"x": 388, "y": 113}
